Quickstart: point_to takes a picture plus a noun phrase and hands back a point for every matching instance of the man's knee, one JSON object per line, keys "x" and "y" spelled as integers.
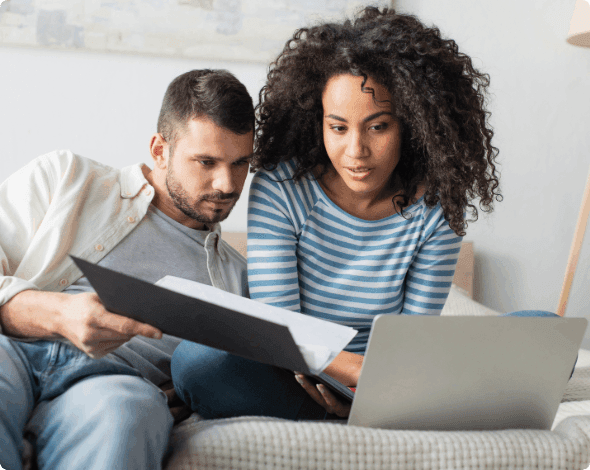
{"x": 117, "y": 402}
{"x": 132, "y": 402}
{"x": 123, "y": 418}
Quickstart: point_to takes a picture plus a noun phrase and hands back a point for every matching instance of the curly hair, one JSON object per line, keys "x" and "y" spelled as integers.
{"x": 439, "y": 100}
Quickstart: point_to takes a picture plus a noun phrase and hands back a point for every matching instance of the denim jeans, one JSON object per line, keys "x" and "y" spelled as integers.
{"x": 78, "y": 411}
{"x": 217, "y": 384}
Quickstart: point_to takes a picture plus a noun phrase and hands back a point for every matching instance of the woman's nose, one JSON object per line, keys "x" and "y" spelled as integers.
{"x": 356, "y": 145}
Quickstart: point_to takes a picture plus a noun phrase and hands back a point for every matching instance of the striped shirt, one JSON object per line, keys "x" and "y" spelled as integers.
{"x": 306, "y": 254}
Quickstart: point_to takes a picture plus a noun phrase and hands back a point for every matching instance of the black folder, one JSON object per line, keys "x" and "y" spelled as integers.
{"x": 194, "y": 319}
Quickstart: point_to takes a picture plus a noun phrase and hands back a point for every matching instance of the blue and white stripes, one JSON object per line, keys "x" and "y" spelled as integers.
{"x": 306, "y": 254}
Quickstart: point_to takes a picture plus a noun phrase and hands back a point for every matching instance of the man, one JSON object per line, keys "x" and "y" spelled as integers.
{"x": 82, "y": 382}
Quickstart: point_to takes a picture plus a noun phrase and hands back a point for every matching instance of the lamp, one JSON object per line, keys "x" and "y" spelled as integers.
{"x": 579, "y": 35}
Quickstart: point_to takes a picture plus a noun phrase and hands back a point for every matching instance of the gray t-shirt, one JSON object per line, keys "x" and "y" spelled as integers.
{"x": 157, "y": 247}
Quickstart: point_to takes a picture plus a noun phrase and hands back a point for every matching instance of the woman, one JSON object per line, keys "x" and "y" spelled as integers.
{"x": 372, "y": 142}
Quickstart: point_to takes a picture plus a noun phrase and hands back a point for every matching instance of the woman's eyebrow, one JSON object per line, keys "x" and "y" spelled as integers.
{"x": 376, "y": 115}
{"x": 367, "y": 119}
{"x": 338, "y": 118}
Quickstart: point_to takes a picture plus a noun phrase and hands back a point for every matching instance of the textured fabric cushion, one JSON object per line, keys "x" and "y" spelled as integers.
{"x": 256, "y": 443}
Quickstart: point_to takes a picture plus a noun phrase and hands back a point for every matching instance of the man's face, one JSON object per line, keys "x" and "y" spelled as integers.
{"x": 207, "y": 169}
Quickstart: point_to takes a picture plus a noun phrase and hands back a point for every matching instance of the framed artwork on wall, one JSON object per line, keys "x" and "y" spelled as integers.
{"x": 242, "y": 30}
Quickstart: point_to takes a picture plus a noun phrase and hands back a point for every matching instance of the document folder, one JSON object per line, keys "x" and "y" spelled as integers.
{"x": 204, "y": 322}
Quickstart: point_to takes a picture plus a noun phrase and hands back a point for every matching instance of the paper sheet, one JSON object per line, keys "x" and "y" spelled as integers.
{"x": 319, "y": 341}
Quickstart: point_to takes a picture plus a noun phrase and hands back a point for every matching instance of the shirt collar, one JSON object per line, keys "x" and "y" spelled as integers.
{"x": 132, "y": 180}
{"x": 215, "y": 237}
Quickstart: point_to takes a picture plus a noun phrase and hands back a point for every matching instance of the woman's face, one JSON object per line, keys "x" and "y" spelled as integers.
{"x": 361, "y": 135}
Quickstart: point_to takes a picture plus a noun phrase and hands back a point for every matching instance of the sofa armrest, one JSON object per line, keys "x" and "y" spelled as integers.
{"x": 459, "y": 303}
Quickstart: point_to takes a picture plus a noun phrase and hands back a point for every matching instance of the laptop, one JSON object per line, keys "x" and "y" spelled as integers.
{"x": 465, "y": 373}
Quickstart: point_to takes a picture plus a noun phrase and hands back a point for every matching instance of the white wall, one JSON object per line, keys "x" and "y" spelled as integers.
{"x": 541, "y": 114}
{"x": 105, "y": 106}
{"x": 101, "y": 106}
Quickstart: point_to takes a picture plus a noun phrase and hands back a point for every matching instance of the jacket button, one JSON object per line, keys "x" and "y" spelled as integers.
{"x": 63, "y": 282}
{"x": 130, "y": 219}
{"x": 99, "y": 247}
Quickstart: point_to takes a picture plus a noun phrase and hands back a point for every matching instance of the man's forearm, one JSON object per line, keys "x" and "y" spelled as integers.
{"x": 79, "y": 318}
{"x": 32, "y": 314}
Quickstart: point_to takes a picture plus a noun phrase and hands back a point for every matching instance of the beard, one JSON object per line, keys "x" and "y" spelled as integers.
{"x": 195, "y": 207}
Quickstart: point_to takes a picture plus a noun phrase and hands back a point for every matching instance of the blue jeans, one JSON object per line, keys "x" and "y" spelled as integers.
{"x": 217, "y": 384}
{"x": 78, "y": 411}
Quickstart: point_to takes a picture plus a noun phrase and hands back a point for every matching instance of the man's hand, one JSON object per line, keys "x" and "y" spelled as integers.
{"x": 96, "y": 331}
{"x": 322, "y": 396}
{"x": 80, "y": 318}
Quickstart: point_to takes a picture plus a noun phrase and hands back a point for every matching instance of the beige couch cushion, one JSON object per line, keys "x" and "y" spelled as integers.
{"x": 460, "y": 303}
{"x": 257, "y": 442}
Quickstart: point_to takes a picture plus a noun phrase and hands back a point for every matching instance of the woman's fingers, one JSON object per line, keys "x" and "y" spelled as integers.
{"x": 323, "y": 397}
{"x": 335, "y": 406}
{"x": 310, "y": 389}
{"x": 178, "y": 409}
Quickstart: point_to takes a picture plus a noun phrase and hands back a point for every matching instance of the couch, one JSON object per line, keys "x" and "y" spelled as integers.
{"x": 262, "y": 442}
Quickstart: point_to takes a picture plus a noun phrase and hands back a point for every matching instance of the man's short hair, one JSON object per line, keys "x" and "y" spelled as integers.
{"x": 215, "y": 94}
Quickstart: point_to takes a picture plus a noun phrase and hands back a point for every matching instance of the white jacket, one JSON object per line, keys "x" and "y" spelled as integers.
{"x": 61, "y": 203}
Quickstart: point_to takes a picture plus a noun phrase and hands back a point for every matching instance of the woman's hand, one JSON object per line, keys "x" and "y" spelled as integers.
{"x": 346, "y": 368}
{"x": 178, "y": 409}
{"x": 322, "y": 396}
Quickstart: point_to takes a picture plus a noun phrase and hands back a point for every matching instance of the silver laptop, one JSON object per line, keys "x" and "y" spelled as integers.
{"x": 465, "y": 373}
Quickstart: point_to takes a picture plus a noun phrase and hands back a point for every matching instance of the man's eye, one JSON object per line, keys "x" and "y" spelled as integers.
{"x": 207, "y": 162}
{"x": 242, "y": 162}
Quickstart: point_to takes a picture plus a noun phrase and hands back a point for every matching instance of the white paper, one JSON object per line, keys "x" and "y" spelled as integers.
{"x": 319, "y": 341}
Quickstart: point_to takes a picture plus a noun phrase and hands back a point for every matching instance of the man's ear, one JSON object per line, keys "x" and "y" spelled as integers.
{"x": 159, "y": 149}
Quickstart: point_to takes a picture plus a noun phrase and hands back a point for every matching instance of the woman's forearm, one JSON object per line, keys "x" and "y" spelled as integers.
{"x": 346, "y": 368}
